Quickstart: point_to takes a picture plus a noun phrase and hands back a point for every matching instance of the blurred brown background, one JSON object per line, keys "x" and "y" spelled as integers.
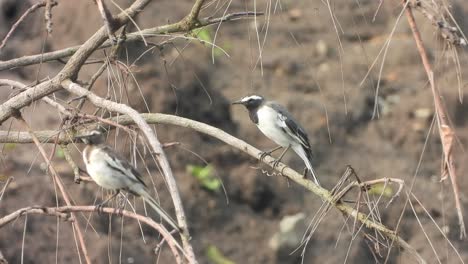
{"x": 299, "y": 65}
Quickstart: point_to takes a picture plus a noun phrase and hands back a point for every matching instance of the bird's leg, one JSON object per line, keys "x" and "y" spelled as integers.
{"x": 276, "y": 162}
{"x": 99, "y": 207}
{"x": 267, "y": 153}
{"x": 121, "y": 205}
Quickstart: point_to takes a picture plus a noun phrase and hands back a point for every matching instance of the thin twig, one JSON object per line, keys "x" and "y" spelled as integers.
{"x": 151, "y": 136}
{"x": 22, "y": 18}
{"x": 8, "y": 181}
{"x": 69, "y": 159}
{"x": 254, "y": 152}
{"x": 66, "y": 212}
{"x": 433, "y": 12}
{"x": 446, "y": 131}
{"x": 46, "y": 99}
{"x": 136, "y": 36}
{"x": 48, "y": 16}
{"x": 59, "y": 183}
{"x": 106, "y": 15}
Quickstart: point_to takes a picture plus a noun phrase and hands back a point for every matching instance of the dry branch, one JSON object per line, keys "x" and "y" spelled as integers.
{"x": 57, "y": 180}
{"x": 46, "y": 99}
{"x": 254, "y": 152}
{"x": 70, "y": 70}
{"x": 155, "y": 145}
{"x": 435, "y": 14}
{"x": 136, "y": 36}
{"x": 30, "y": 10}
{"x": 107, "y": 18}
{"x": 446, "y": 131}
{"x": 64, "y": 212}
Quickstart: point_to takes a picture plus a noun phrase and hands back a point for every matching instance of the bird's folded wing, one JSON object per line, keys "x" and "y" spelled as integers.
{"x": 115, "y": 161}
{"x": 291, "y": 126}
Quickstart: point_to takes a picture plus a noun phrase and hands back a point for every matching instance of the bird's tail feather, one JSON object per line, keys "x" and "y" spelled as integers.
{"x": 305, "y": 156}
{"x": 154, "y": 204}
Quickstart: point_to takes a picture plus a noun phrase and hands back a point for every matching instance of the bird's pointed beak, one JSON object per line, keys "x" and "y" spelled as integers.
{"x": 237, "y": 102}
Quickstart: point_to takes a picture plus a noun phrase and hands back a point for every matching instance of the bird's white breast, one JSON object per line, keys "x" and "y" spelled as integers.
{"x": 105, "y": 176}
{"x": 270, "y": 123}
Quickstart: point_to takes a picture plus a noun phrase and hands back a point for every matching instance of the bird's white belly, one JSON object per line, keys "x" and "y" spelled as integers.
{"x": 269, "y": 124}
{"x": 104, "y": 175}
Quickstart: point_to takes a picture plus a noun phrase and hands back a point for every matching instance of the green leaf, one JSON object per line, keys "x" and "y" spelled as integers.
{"x": 205, "y": 176}
{"x": 381, "y": 189}
{"x": 216, "y": 256}
{"x": 203, "y": 34}
{"x": 9, "y": 146}
{"x": 59, "y": 153}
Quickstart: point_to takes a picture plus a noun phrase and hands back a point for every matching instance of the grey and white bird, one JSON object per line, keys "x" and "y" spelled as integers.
{"x": 110, "y": 171}
{"x": 277, "y": 124}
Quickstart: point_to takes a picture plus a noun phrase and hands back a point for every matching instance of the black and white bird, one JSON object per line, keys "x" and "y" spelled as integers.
{"x": 277, "y": 124}
{"x": 110, "y": 171}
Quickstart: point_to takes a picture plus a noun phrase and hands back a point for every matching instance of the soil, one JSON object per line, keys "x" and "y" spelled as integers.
{"x": 302, "y": 65}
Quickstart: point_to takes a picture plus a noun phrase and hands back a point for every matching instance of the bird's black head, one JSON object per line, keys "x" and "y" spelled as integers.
{"x": 93, "y": 137}
{"x": 251, "y": 101}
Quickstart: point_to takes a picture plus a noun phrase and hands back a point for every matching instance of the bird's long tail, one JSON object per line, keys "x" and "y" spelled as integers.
{"x": 154, "y": 204}
{"x": 306, "y": 156}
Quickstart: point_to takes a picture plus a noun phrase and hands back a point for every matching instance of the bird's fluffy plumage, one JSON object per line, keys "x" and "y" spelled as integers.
{"x": 278, "y": 124}
{"x": 110, "y": 171}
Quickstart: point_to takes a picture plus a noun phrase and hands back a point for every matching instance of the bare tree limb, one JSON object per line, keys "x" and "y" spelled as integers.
{"x": 30, "y": 10}
{"x": 64, "y": 212}
{"x": 254, "y": 152}
{"x": 70, "y": 70}
{"x": 433, "y": 12}
{"x": 107, "y": 18}
{"x": 136, "y": 36}
{"x": 446, "y": 131}
{"x": 48, "y": 16}
{"x": 57, "y": 180}
{"x": 151, "y": 136}
{"x": 46, "y": 99}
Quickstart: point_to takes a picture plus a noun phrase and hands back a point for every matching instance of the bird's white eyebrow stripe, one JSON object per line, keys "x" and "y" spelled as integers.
{"x": 254, "y": 97}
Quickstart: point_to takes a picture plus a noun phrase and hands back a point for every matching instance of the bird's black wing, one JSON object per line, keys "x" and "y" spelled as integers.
{"x": 122, "y": 165}
{"x": 291, "y": 126}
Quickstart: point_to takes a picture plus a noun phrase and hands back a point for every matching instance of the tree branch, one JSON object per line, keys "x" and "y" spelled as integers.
{"x": 155, "y": 145}
{"x": 57, "y": 180}
{"x": 135, "y": 36}
{"x": 255, "y": 153}
{"x": 64, "y": 211}
{"x": 11, "y": 106}
{"x": 446, "y": 132}
{"x": 23, "y": 17}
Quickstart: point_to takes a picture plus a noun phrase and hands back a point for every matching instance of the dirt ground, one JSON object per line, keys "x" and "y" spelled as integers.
{"x": 301, "y": 64}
